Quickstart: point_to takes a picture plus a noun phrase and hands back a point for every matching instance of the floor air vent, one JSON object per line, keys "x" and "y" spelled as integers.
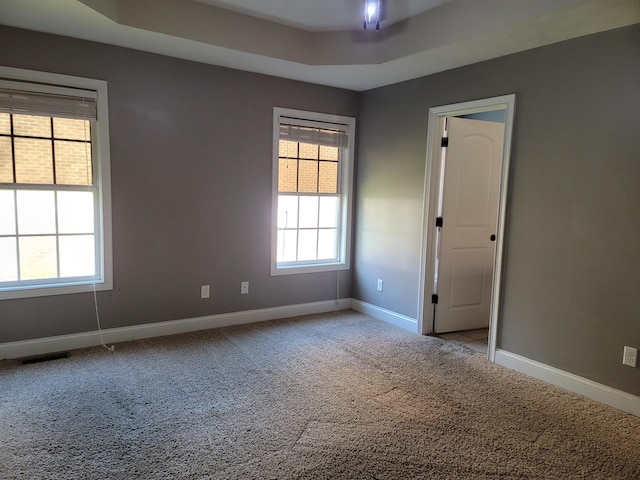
{"x": 45, "y": 358}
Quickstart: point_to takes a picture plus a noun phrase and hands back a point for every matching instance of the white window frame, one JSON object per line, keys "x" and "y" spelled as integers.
{"x": 56, "y": 83}
{"x": 346, "y": 192}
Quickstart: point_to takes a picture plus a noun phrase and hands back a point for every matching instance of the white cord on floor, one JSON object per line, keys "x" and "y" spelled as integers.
{"x": 95, "y": 302}
{"x": 337, "y": 288}
{"x": 93, "y": 283}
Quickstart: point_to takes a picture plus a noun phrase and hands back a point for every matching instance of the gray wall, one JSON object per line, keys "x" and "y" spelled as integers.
{"x": 191, "y": 193}
{"x": 572, "y": 266}
{"x": 191, "y": 185}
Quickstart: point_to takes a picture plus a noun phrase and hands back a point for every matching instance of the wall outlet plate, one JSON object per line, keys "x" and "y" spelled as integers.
{"x": 244, "y": 288}
{"x": 205, "y": 291}
{"x": 630, "y": 357}
{"x": 379, "y": 285}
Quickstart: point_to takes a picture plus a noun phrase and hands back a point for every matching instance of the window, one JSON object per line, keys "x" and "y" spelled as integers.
{"x": 312, "y": 182}
{"x": 54, "y": 185}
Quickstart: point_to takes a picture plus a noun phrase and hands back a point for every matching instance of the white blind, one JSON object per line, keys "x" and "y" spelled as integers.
{"x": 327, "y": 137}
{"x": 47, "y": 104}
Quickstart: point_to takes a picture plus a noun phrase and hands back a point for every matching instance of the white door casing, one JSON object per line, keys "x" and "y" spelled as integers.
{"x": 427, "y": 264}
{"x": 470, "y": 215}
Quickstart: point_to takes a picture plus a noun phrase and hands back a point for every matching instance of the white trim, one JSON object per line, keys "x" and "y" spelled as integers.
{"x": 346, "y": 191}
{"x": 103, "y": 182}
{"x": 53, "y": 289}
{"x": 57, "y": 83}
{"x": 582, "y": 386}
{"x": 40, "y": 346}
{"x": 23, "y": 75}
{"x": 408, "y": 323}
{"x": 425, "y": 315}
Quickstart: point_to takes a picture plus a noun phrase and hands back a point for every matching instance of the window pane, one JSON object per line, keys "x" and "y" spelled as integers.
{"x": 77, "y": 255}
{"x": 328, "y": 177}
{"x": 38, "y": 258}
{"x": 75, "y": 212}
{"x": 321, "y": 160}
{"x": 287, "y": 211}
{"x": 8, "y": 260}
{"x": 288, "y": 149}
{"x": 36, "y": 212}
{"x": 31, "y": 126}
{"x": 50, "y": 200}
{"x": 328, "y": 212}
{"x": 307, "y": 244}
{"x": 327, "y": 241}
{"x": 5, "y": 125}
{"x": 308, "y": 212}
{"x": 72, "y": 129}
{"x": 34, "y": 161}
{"x": 73, "y": 163}
{"x": 6, "y": 163}
{"x": 308, "y": 176}
{"x": 287, "y": 245}
{"x": 328, "y": 153}
{"x": 309, "y": 150}
{"x": 287, "y": 175}
{"x": 7, "y": 213}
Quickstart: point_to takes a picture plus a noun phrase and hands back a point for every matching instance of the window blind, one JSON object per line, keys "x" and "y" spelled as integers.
{"x": 46, "y": 104}
{"x": 317, "y": 135}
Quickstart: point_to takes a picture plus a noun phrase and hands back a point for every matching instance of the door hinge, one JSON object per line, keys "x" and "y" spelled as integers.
{"x": 444, "y": 142}
{"x": 434, "y": 298}
{"x": 439, "y": 222}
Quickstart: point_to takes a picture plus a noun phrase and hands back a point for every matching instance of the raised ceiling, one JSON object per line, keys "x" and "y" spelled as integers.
{"x": 318, "y": 16}
{"x": 322, "y": 41}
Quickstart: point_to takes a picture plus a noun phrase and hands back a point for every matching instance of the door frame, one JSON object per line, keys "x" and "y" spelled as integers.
{"x": 429, "y": 213}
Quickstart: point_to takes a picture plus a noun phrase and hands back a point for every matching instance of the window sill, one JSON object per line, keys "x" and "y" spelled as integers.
{"x": 295, "y": 269}
{"x": 51, "y": 290}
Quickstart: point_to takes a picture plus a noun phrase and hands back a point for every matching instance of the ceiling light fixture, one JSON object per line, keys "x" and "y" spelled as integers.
{"x": 372, "y": 13}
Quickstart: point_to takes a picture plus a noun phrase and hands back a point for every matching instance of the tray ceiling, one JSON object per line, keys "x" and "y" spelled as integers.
{"x": 317, "y": 42}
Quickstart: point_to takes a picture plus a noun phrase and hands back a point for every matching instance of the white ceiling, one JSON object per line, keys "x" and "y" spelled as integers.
{"x": 322, "y": 41}
{"x": 315, "y": 15}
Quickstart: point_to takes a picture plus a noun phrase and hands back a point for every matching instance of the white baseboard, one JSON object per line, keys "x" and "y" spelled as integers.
{"x": 40, "y": 346}
{"x": 410, "y": 324}
{"x": 588, "y": 388}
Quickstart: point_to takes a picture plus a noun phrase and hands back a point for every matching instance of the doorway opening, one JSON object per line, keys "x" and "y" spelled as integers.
{"x": 466, "y": 180}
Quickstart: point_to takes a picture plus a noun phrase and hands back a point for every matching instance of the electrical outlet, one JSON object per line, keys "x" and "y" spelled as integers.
{"x": 379, "y": 284}
{"x": 630, "y": 357}
{"x": 205, "y": 291}
{"x": 244, "y": 288}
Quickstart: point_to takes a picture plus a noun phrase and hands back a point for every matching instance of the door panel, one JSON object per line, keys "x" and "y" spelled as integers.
{"x": 474, "y": 182}
{"x": 466, "y": 277}
{"x": 470, "y": 215}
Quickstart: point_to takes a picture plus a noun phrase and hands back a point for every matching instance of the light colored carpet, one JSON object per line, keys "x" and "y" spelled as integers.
{"x": 318, "y": 397}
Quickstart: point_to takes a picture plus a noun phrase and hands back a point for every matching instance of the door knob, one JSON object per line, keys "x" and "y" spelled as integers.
{"x": 493, "y": 238}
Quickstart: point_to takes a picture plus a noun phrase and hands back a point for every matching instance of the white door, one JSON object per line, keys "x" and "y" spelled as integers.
{"x": 472, "y": 173}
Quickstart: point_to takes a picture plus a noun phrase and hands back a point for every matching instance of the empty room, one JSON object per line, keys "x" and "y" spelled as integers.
{"x": 289, "y": 239}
